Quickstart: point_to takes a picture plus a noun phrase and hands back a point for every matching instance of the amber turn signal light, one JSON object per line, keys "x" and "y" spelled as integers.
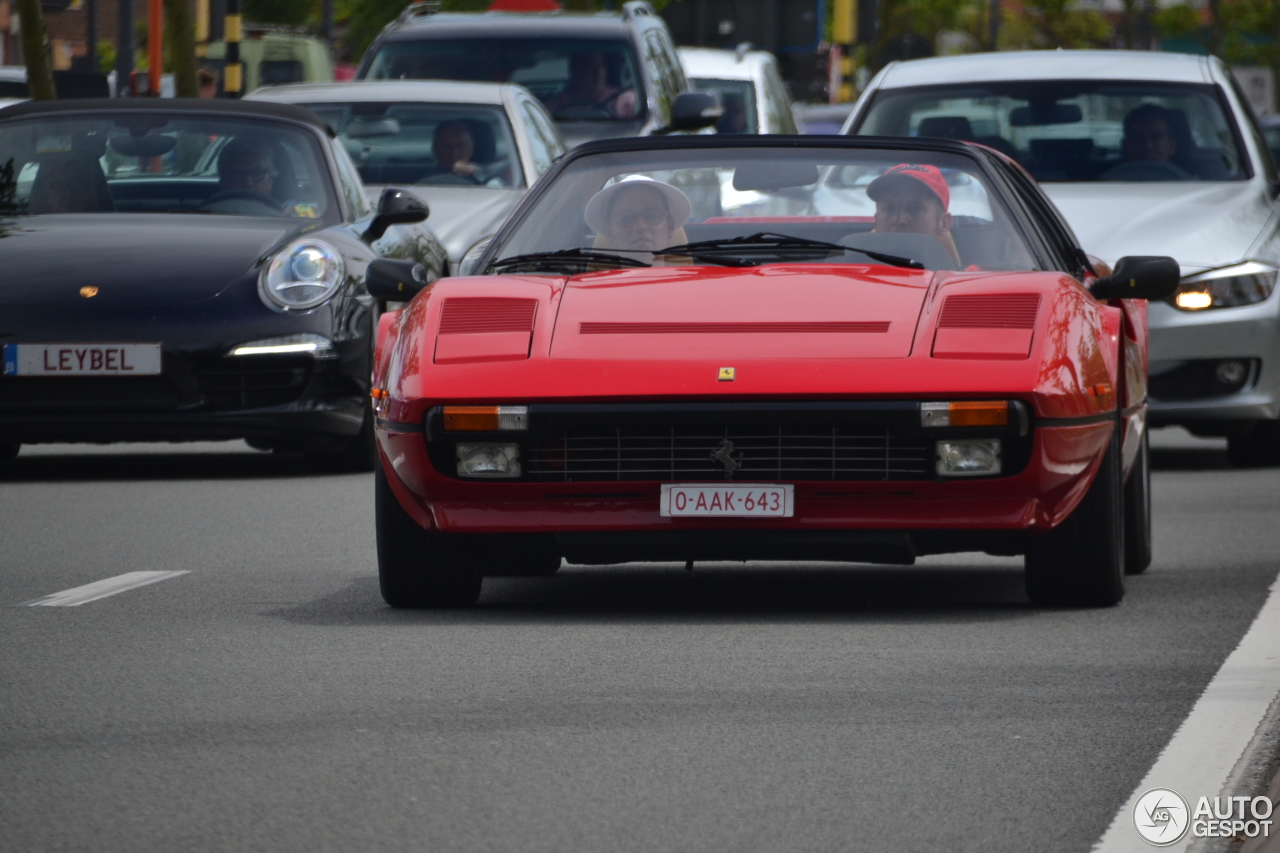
{"x": 485, "y": 418}
{"x": 965, "y": 413}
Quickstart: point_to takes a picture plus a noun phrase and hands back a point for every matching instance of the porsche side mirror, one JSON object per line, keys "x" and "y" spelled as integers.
{"x": 395, "y": 281}
{"x": 693, "y": 111}
{"x": 395, "y": 207}
{"x": 1139, "y": 277}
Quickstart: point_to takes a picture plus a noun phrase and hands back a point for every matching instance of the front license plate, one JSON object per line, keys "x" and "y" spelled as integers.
{"x": 740, "y": 500}
{"x": 82, "y": 359}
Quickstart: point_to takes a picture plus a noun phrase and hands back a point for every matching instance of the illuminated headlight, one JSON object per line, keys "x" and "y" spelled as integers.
{"x": 471, "y": 259}
{"x": 301, "y": 276}
{"x": 1241, "y": 284}
{"x": 969, "y": 458}
{"x": 311, "y": 344}
{"x": 488, "y": 460}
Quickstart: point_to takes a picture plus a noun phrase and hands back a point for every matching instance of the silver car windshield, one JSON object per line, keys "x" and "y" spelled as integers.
{"x": 738, "y": 206}
{"x": 162, "y": 162}
{"x": 419, "y": 143}
{"x": 1063, "y": 130}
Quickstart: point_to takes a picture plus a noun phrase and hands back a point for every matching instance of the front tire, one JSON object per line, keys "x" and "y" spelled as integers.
{"x": 1080, "y": 563}
{"x": 1137, "y": 512}
{"x": 416, "y": 568}
{"x": 1258, "y": 448}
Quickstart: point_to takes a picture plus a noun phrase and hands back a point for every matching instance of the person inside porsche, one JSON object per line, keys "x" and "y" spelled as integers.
{"x": 637, "y": 216}
{"x": 913, "y": 199}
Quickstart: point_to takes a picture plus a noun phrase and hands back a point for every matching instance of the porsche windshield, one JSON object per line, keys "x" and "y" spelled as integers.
{"x": 738, "y": 206}
{"x": 162, "y": 162}
{"x": 1064, "y": 130}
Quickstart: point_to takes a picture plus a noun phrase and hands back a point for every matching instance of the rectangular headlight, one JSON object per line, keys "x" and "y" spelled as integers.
{"x": 965, "y": 413}
{"x": 971, "y": 458}
{"x": 486, "y": 418}
{"x": 489, "y": 460}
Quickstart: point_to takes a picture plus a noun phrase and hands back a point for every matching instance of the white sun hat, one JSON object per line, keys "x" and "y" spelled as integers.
{"x": 597, "y": 212}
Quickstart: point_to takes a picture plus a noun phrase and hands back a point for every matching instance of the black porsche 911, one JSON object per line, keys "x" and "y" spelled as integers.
{"x": 190, "y": 270}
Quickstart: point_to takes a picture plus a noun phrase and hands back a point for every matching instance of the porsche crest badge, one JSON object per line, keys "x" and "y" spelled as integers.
{"x": 88, "y": 291}
{"x": 726, "y": 375}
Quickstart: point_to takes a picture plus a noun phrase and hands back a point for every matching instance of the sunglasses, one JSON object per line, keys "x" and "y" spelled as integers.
{"x": 649, "y": 217}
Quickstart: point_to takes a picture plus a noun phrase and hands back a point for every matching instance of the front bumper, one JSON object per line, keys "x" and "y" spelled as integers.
{"x": 1182, "y": 341}
{"x": 200, "y": 395}
{"x": 881, "y": 520}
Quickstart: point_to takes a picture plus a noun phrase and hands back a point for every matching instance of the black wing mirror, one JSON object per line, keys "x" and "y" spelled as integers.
{"x": 395, "y": 207}
{"x": 395, "y": 281}
{"x": 693, "y": 111}
{"x": 1139, "y": 277}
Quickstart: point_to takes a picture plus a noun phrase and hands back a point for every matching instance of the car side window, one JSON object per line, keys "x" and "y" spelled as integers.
{"x": 1268, "y": 165}
{"x": 667, "y": 78}
{"x": 542, "y": 146}
{"x": 778, "y": 103}
{"x": 1056, "y": 235}
{"x": 351, "y": 186}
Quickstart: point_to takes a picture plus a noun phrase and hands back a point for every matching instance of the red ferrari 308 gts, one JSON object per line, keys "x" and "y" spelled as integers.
{"x": 767, "y": 348}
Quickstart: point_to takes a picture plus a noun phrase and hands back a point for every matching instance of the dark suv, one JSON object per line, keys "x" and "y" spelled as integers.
{"x": 599, "y": 75}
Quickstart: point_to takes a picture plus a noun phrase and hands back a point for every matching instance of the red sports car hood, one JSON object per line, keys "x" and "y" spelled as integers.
{"x": 773, "y": 311}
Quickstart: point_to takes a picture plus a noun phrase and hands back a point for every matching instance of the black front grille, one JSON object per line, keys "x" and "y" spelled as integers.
{"x": 102, "y": 393}
{"x": 790, "y": 452}
{"x": 248, "y": 382}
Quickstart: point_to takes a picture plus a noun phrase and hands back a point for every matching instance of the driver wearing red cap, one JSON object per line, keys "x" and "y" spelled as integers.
{"x": 913, "y": 199}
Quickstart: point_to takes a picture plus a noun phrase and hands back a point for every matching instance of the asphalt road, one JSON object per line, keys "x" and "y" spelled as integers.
{"x": 268, "y": 700}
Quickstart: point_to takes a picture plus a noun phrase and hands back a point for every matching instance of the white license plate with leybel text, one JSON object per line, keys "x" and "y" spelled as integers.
{"x": 82, "y": 359}
{"x": 739, "y": 500}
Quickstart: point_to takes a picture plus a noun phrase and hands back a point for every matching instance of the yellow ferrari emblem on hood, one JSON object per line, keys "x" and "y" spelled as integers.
{"x": 89, "y": 292}
{"x": 726, "y": 374}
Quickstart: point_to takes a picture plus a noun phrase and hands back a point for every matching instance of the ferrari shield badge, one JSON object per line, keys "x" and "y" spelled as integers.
{"x": 88, "y": 291}
{"x": 726, "y": 374}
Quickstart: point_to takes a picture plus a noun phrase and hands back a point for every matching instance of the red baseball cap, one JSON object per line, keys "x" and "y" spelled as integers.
{"x": 930, "y": 176}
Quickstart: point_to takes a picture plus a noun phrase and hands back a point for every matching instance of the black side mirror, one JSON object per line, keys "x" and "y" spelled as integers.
{"x": 1139, "y": 277}
{"x": 395, "y": 281}
{"x": 693, "y": 111}
{"x": 395, "y": 207}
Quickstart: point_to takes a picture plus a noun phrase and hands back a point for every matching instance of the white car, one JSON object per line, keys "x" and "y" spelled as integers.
{"x": 1145, "y": 153}
{"x": 392, "y": 129}
{"x": 751, "y": 89}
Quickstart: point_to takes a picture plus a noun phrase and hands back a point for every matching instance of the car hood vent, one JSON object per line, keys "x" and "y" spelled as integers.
{"x": 774, "y": 311}
{"x": 994, "y": 311}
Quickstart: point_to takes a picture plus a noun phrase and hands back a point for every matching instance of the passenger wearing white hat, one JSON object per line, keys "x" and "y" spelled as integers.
{"x": 638, "y": 214}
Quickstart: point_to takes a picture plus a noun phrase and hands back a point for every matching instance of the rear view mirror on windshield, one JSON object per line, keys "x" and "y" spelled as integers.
{"x": 769, "y": 177}
{"x": 1037, "y": 116}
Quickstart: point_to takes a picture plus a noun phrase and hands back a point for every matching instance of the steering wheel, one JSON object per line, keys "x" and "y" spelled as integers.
{"x": 235, "y": 201}
{"x": 448, "y": 176}
{"x": 1146, "y": 170}
{"x": 580, "y": 108}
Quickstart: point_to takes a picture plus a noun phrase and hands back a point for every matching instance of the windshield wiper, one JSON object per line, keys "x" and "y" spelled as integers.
{"x": 569, "y": 255}
{"x": 765, "y": 241}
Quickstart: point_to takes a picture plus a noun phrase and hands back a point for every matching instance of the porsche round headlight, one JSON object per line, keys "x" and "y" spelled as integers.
{"x": 301, "y": 276}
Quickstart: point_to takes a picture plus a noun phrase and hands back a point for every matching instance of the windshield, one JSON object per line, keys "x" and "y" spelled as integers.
{"x": 416, "y": 143}
{"x": 748, "y": 206}
{"x": 1063, "y": 130}
{"x": 739, "y": 99}
{"x": 162, "y": 163}
{"x": 577, "y": 79}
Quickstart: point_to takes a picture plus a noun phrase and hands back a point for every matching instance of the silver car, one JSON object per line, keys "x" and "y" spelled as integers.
{"x": 499, "y": 138}
{"x": 755, "y": 98}
{"x": 1145, "y": 154}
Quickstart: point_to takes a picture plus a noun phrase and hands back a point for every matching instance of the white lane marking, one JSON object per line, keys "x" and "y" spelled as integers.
{"x": 76, "y": 596}
{"x": 1205, "y": 749}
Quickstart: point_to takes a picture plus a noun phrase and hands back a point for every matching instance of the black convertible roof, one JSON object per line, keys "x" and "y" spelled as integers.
{"x": 207, "y": 106}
